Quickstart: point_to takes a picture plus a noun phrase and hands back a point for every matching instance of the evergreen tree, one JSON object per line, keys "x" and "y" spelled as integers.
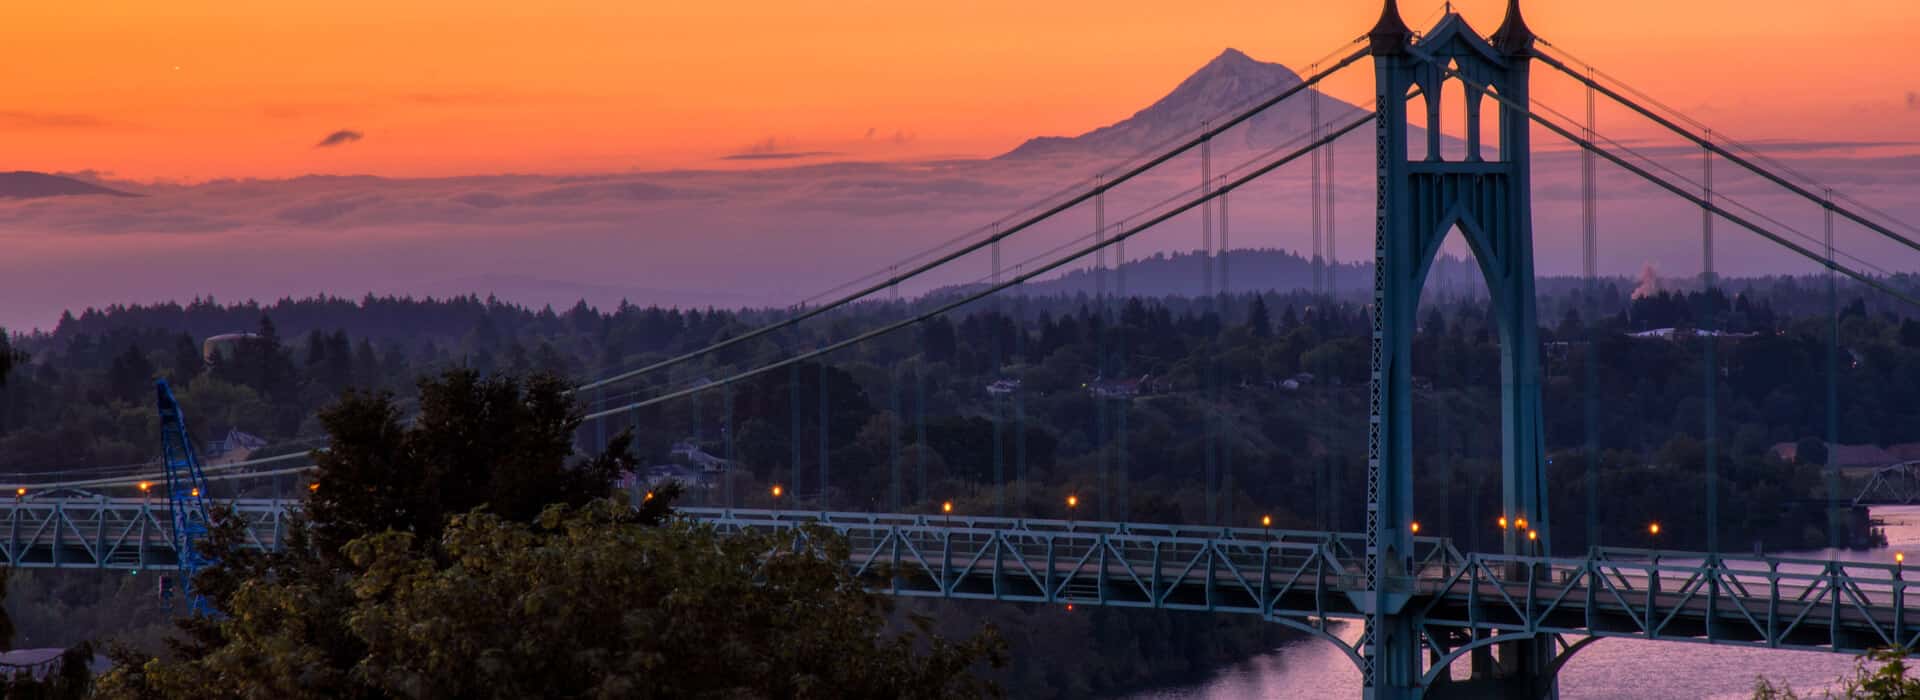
{"x": 188, "y": 362}
{"x": 1257, "y": 318}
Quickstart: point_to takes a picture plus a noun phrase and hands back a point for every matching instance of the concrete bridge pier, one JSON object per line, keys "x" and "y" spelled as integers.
{"x": 1522, "y": 669}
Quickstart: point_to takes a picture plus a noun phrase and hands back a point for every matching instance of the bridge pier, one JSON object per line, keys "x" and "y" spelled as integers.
{"x": 1522, "y": 669}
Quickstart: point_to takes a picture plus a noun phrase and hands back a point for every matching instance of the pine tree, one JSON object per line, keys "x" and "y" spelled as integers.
{"x": 1258, "y": 320}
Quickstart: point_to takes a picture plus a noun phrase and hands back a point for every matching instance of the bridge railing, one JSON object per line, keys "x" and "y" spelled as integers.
{"x": 116, "y": 533}
{"x": 1272, "y": 573}
{"x": 1345, "y": 546}
{"x": 1774, "y": 602}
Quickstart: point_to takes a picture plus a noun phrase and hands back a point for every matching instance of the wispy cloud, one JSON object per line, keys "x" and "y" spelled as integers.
{"x": 772, "y": 148}
{"x": 779, "y": 155}
{"x": 22, "y": 119}
{"x": 339, "y": 138}
{"x": 1913, "y": 101}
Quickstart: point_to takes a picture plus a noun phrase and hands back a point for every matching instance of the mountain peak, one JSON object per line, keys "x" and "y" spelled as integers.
{"x": 1230, "y": 81}
{"x": 1231, "y": 56}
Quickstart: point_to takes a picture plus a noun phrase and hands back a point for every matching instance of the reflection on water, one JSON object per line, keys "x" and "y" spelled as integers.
{"x": 1608, "y": 669}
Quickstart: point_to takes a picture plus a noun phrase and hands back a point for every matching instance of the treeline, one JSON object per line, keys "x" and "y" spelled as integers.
{"x": 1251, "y": 404}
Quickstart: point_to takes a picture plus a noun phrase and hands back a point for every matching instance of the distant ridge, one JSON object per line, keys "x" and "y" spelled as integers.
{"x": 26, "y": 184}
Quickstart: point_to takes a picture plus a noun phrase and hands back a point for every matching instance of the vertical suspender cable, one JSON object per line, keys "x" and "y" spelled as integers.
{"x": 1313, "y": 195}
{"x": 1102, "y": 370}
{"x": 1314, "y": 203}
{"x": 726, "y": 437}
{"x": 1227, "y": 423}
{"x": 920, "y": 428}
{"x": 793, "y": 421}
{"x": 1834, "y": 522}
{"x": 824, "y": 434}
{"x": 1589, "y": 268}
{"x": 1707, "y": 337}
{"x": 1333, "y": 258}
{"x": 1210, "y": 444}
{"x": 1020, "y": 400}
{"x": 994, "y": 400}
{"x": 898, "y": 423}
{"x": 1122, "y": 492}
{"x": 1226, "y": 249}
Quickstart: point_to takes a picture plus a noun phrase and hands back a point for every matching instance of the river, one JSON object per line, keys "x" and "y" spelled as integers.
{"x": 1609, "y": 669}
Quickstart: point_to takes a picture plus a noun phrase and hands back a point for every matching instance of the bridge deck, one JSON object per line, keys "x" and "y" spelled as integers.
{"x": 1303, "y": 578}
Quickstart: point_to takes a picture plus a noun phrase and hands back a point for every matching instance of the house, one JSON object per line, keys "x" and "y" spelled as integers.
{"x": 690, "y": 450}
{"x": 661, "y": 474}
{"x": 1116, "y": 388}
{"x": 235, "y": 440}
{"x": 1850, "y": 455}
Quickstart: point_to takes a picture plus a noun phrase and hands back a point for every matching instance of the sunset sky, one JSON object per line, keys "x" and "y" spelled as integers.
{"x": 191, "y": 90}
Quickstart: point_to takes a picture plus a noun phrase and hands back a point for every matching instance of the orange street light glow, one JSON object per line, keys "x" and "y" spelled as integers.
{"x": 776, "y": 490}
{"x": 1533, "y": 534}
{"x": 1653, "y": 528}
{"x": 1073, "y": 501}
{"x": 1503, "y": 522}
{"x": 144, "y": 485}
{"x": 946, "y": 507}
{"x": 1415, "y": 527}
{"x": 1266, "y": 521}
{"x": 1520, "y": 523}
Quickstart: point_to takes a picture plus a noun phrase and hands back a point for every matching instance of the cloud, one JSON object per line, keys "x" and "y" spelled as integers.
{"x": 778, "y": 155}
{"x": 339, "y": 138}
{"x": 483, "y": 200}
{"x": 1913, "y": 101}
{"x": 771, "y": 148}
{"x": 21, "y": 119}
{"x": 323, "y": 211}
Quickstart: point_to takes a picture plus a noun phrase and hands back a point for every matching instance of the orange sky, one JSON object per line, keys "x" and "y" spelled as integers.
{"x": 199, "y": 89}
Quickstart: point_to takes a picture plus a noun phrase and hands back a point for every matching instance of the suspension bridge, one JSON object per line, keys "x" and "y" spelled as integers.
{"x": 1514, "y": 615}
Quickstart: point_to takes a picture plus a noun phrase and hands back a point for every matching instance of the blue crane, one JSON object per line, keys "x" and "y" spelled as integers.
{"x": 186, "y": 494}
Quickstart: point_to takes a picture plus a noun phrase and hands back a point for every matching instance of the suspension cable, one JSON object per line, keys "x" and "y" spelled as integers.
{"x": 917, "y": 270}
{"x": 1644, "y": 174}
{"x": 1709, "y": 144}
{"x": 1021, "y": 278}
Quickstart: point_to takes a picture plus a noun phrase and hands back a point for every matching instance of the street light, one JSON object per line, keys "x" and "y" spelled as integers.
{"x": 1414, "y": 526}
{"x": 1503, "y": 522}
{"x": 776, "y": 490}
{"x": 1520, "y": 523}
{"x": 145, "y": 485}
{"x": 947, "y": 508}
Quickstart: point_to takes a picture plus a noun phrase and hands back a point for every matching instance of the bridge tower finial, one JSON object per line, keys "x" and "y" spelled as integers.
{"x": 1513, "y": 36}
{"x": 1390, "y": 35}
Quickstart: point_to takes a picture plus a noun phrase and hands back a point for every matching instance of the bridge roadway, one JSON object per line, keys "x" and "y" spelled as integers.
{"x": 1298, "y": 578}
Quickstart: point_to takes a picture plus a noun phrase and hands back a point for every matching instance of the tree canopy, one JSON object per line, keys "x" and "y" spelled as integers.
{"x": 465, "y": 555}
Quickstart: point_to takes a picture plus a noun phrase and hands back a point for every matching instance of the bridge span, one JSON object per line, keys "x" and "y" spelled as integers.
{"x": 1302, "y": 579}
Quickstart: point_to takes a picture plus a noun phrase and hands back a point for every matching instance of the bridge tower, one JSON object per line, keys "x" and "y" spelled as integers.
{"x": 1421, "y": 200}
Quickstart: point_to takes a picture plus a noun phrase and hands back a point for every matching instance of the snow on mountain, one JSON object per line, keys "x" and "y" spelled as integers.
{"x": 1230, "y": 82}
